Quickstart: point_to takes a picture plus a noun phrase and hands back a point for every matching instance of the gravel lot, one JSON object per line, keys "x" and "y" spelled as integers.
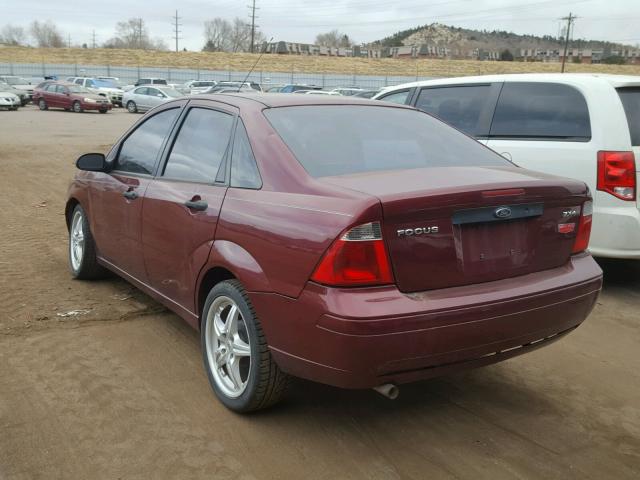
{"x": 119, "y": 391}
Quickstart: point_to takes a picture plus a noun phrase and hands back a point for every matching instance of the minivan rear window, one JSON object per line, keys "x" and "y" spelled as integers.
{"x": 631, "y": 102}
{"x": 541, "y": 111}
{"x": 331, "y": 140}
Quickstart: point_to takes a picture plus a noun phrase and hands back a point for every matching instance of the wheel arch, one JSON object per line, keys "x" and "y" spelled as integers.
{"x": 68, "y": 210}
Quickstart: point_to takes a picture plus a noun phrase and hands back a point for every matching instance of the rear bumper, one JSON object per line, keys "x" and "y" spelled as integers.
{"x": 361, "y": 338}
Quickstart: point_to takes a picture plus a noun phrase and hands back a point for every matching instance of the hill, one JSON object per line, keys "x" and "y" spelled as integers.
{"x": 438, "y": 34}
{"x": 288, "y": 63}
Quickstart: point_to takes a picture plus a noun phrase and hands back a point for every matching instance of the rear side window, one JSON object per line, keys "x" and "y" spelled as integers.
{"x": 396, "y": 97}
{"x": 200, "y": 146}
{"x": 139, "y": 152}
{"x": 631, "y": 102}
{"x": 544, "y": 111}
{"x": 244, "y": 171}
{"x": 330, "y": 140}
{"x": 461, "y": 107}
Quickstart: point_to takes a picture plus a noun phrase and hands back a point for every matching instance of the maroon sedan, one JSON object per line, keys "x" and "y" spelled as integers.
{"x": 69, "y": 96}
{"x": 345, "y": 241}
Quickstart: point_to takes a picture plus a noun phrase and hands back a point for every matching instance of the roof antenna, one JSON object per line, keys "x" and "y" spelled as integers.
{"x": 254, "y": 65}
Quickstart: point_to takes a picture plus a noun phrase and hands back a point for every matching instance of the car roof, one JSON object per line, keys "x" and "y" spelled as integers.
{"x": 569, "y": 78}
{"x": 275, "y": 100}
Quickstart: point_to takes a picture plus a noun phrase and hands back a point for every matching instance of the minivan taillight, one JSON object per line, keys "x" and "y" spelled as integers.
{"x": 357, "y": 258}
{"x": 617, "y": 174}
{"x": 584, "y": 228}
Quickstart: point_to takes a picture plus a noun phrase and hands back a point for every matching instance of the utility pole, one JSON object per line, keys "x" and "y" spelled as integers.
{"x": 93, "y": 39}
{"x": 570, "y": 19}
{"x": 69, "y": 41}
{"x": 252, "y": 7}
{"x": 177, "y": 25}
{"x": 140, "y": 32}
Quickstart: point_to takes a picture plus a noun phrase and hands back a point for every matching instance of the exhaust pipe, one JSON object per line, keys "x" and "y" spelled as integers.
{"x": 388, "y": 390}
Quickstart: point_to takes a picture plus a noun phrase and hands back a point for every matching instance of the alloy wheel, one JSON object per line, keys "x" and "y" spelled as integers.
{"x": 228, "y": 347}
{"x": 76, "y": 241}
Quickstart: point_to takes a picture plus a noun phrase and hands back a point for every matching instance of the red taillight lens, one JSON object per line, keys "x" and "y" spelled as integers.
{"x": 617, "y": 174}
{"x": 584, "y": 228}
{"x": 357, "y": 258}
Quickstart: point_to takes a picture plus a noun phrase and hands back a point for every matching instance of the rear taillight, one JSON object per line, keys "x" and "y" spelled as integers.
{"x": 617, "y": 174}
{"x": 357, "y": 258}
{"x": 584, "y": 228}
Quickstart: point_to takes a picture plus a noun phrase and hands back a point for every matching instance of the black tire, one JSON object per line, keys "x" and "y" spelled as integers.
{"x": 102, "y": 111}
{"x": 77, "y": 107}
{"x": 266, "y": 383}
{"x": 87, "y": 268}
{"x": 42, "y": 105}
{"x": 132, "y": 107}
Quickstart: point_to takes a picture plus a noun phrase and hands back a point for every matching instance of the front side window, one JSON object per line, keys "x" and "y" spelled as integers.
{"x": 461, "y": 107}
{"x": 244, "y": 171}
{"x": 141, "y": 91}
{"x": 139, "y": 152}
{"x": 200, "y": 146}
{"x": 330, "y": 140}
{"x": 396, "y": 97}
{"x": 541, "y": 111}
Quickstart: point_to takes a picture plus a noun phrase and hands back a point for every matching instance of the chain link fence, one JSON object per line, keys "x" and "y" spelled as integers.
{"x": 37, "y": 71}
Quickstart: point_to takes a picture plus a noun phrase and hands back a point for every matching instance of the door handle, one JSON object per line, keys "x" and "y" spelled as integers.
{"x": 130, "y": 195}
{"x": 196, "y": 205}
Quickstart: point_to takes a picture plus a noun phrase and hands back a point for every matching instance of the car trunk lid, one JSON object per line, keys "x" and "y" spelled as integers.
{"x": 450, "y": 226}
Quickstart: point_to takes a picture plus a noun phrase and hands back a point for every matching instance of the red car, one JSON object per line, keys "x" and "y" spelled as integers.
{"x": 69, "y": 96}
{"x": 350, "y": 242}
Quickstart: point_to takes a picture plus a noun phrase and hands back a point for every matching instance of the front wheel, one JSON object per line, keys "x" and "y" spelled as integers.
{"x": 236, "y": 356}
{"x": 131, "y": 106}
{"x": 77, "y": 107}
{"x": 42, "y": 105}
{"x": 82, "y": 248}
{"x": 102, "y": 111}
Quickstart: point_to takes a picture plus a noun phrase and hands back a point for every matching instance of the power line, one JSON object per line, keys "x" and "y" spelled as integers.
{"x": 570, "y": 20}
{"x": 177, "y": 25}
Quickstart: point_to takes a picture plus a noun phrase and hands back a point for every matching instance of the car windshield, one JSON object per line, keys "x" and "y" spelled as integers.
{"x": 16, "y": 81}
{"x": 77, "y": 89}
{"x": 329, "y": 140}
{"x": 104, "y": 84}
{"x": 171, "y": 92}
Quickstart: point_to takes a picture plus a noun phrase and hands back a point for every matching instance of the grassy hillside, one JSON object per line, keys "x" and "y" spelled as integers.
{"x": 288, "y": 63}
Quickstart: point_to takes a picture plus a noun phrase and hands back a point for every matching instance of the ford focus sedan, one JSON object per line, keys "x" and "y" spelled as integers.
{"x": 345, "y": 241}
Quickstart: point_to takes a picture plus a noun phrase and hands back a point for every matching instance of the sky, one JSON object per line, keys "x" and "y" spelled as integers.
{"x": 362, "y": 20}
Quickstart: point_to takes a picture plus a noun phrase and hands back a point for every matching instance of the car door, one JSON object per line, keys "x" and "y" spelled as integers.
{"x": 63, "y": 97}
{"x": 50, "y": 95}
{"x": 467, "y": 107}
{"x": 138, "y": 96}
{"x": 545, "y": 127}
{"x": 155, "y": 97}
{"x": 116, "y": 197}
{"x": 182, "y": 204}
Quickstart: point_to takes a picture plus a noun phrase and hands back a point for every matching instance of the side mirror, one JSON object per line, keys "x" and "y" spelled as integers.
{"x": 92, "y": 162}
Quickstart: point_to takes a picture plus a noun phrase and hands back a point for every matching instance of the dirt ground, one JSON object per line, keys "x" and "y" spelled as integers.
{"x": 119, "y": 391}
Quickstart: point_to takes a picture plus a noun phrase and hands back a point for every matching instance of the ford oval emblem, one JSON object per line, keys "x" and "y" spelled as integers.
{"x": 502, "y": 212}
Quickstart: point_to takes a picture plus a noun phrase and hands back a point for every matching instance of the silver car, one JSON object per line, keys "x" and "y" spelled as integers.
{"x": 145, "y": 97}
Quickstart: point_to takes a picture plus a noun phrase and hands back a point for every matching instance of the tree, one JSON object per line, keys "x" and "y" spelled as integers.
{"x": 224, "y": 36}
{"x": 46, "y": 34}
{"x": 133, "y": 34}
{"x": 217, "y": 35}
{"x": 11, "y": 35}
{"x": 506, "y": 56}
{"x": 334, "y": 39}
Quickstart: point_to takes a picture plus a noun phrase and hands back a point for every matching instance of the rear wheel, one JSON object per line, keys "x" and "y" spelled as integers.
{"x": 102, "y": 111}
{"x": 236, "y": 356}
{"x": 132, "y": 107}
{"x": 42, "y": 105}
{"x": 82, "y": 248}
{"x": 77, "y": 107}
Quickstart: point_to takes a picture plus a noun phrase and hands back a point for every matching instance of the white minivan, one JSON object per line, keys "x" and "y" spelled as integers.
{"x": 584, "y": 126}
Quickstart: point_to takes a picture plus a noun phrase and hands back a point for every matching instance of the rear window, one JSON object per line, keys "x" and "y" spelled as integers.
{"x": 333, "y": 140}
{"x": 541, "y": 111}
{"x": 631, "y": 102}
